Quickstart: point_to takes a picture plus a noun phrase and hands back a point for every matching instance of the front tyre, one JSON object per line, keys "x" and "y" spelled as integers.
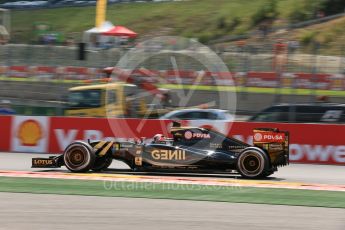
{"x": 253, "y": 163}
{"x": 79, "y": 157}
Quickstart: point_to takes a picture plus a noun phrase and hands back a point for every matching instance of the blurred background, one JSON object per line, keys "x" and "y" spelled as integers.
{"x": 285, "y": 59}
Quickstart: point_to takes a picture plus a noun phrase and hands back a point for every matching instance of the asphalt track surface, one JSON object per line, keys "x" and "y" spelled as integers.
{"x": 43, "y": 211}
{"x": 46, "y": 211}
{"x": 322, "y": 174}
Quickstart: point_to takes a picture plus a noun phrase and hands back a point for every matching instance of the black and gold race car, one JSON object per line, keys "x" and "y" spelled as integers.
{"x": 189, "y": 150}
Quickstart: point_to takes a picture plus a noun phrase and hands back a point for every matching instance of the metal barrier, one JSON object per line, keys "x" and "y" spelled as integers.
{"x": 240, "y": 58}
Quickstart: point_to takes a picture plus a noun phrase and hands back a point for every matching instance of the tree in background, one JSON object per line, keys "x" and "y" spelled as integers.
{"x": 330, "y": 7}
{"x": 267, "y": 12}
{"x": 310, "y": 9}
{"x": 265, "y": 16}
{"x": 305, "y": 10}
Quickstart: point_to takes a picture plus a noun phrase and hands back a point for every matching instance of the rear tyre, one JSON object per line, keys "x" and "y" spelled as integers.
{"x": 79, "y": 157}
{"x": 253, "y": 163}
{"x": 101, "y": 163}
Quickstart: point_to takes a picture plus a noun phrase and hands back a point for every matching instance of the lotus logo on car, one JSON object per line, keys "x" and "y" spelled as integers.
{"x": 189, "y": 135}
{"x": 43, "y": 162}
{"x": 163, "y": 154}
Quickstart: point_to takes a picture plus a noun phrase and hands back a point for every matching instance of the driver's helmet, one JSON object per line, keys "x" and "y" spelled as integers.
{"x": 158, "y": 138}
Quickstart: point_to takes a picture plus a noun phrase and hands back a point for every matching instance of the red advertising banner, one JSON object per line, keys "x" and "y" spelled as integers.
{"x": 294, "y": 80}
{"x": 5, "y": 132}
{"x": 262, "y": 79}
{"x": 309, "y": 143}
{"x": 268, "y": 137}
{"x": 310, "y": 81}
{"x": 30, "y": 134}
{"x": 18, "y": 71}
{"x": 322, "y": 81}
{"x": 65, "y": 130}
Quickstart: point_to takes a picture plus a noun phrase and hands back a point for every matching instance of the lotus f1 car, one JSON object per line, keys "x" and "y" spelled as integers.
{"x": 188, "y": 150}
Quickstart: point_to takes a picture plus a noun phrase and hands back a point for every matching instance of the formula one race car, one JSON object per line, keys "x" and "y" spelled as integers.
{"x": 189, "y": 150}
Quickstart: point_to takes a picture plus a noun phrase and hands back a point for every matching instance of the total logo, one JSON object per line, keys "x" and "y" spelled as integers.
{"x": 190, "y": 135}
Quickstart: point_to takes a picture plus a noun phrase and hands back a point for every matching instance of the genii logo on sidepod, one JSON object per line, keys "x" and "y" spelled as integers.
{"x": 190, "y": 135}
{"x": 268, "y": 137}
{"x": 162, "y": 154}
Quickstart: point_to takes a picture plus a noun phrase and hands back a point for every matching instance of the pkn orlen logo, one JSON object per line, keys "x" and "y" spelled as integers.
{"x": 188, "y": 135}
{"x": 257, "y": 137}
{"x": 30, "y": 133}
{"x": 191, "y": 135}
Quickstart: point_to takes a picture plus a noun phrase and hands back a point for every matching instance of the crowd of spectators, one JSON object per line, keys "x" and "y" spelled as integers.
{"x": 62, "y": 3}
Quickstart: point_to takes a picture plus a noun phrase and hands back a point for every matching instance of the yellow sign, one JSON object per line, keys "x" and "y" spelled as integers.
{"x": 29, "y": 133}
{"x": 101, "y": 9}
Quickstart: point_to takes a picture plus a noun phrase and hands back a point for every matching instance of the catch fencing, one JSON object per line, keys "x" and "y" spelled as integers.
{"x": 36, "y": 77}
{"x": 286, "y": 57}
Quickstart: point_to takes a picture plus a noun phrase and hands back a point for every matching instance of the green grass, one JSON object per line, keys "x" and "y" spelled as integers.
{"x": 330, "y": 34}
{"x": 174, "y": 191}
{"x": 194, "y": 18}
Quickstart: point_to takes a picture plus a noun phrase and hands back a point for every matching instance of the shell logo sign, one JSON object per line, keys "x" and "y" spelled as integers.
{"x": 30, "y": 134}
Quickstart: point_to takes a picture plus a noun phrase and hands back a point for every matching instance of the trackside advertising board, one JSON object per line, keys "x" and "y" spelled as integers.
{"x": 322, "y": 81}
{"x": 309, "y": 143}
{"x": 30, "y": 134}
{"x": 5, "y": 132}
{"x": 65, "y": 130}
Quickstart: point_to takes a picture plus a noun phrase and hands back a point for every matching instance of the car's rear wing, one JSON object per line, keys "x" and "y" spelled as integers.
{"x": 274, "y": 142}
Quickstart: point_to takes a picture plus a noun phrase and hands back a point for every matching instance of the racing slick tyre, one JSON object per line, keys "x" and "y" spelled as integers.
{"x": 79, "y": 157}
{"x": 101, "y": 163}
{"x": 253, "y": 163}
